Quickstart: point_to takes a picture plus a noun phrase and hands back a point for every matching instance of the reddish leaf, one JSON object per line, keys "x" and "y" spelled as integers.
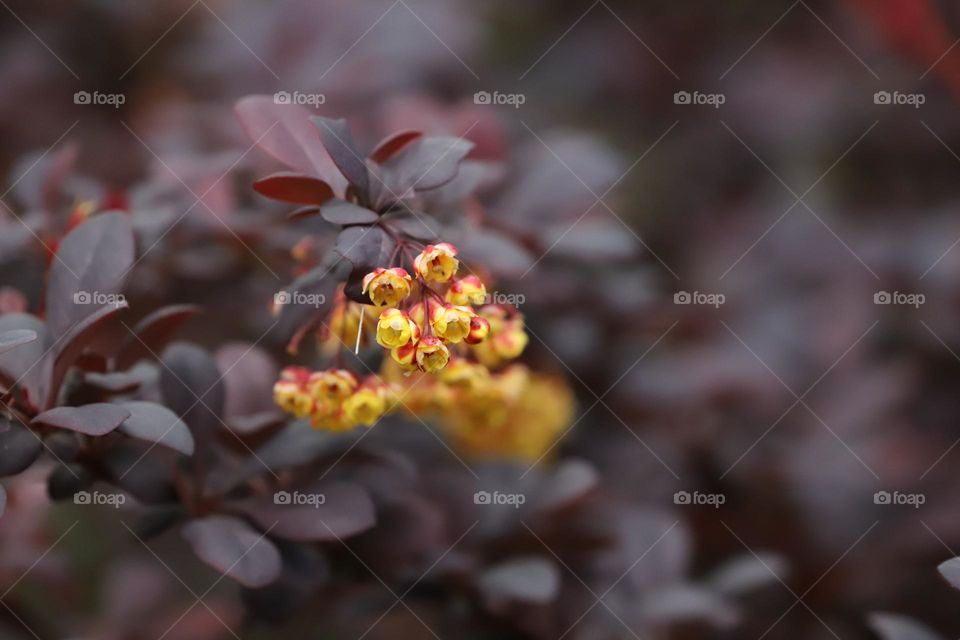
{"x": 155, "y": 423}
{"x": 303, "y": 212}
{"x": 343, "y": 212}
{"x": 3, "y": 501}
{"x": 345, "y": 511}
{"x": 233, "y": 548}
{"x": 338, "y": 141}
{"x": 295, "y": 188}
{"x": 366, "y": 248}
{"x": 192, "y": 387}
{"x": 248, "y": 376}
{"x": 91, "y": 262}
{"x": 285, "y": 132}
{"x": 425, "y": 164}
{"x": 950, "y": 570}
{"x": 16, "y": 337}
{"x": 151, "y": 335}
{"x": 529, "y": 579}
{"x": 92, "y": 419}
{"x": 75, "y": 341}
{"x": 392, "y": 144}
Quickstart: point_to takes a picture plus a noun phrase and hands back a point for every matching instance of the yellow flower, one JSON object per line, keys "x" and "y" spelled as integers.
{"x": 396, "y": 329}
{"x": 335, "y": 420}
{"x": 333, "y": 384}
{"x": 509, "y": 344}
{"x": 451, "y": 323}
{"x": 437, "y": 262}
{"x": 463, "y": 373}
{"x": 506, "y": 337}
{"x": 292, "y": 398}
{"x": 365, "y": 406}
{"x": 467, "y": 290}
{"x": 479, "y": 330}
{"x": 387, "y": 287}
{"x": 432, "y": 355}
{"x": 405, "y": 356}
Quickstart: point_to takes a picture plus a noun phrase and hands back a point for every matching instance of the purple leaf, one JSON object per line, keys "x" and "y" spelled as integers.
{"x": 3, "y": 501}
{"x": 19, "y": 448}
{"x": 342, "y": 212}
{"x": 425, "y": 164}
{"x": 155, "y": 423}
{"x": 326, "y": 512}
{"x": 892, "y": 626}
{"x": 295, "y": 188}
{"x": 284, "y": 131}
{"x": 88, "y": 270}
{"x": 950, "y": 570}
{"x": 92, "y": 419}
{"x": 390, "y": 145}
{"x": 16, "y": 337}
{"x": 233, "y": 548}
{"x": 248, "y": 376}
{"x": 192, "y": 387}
{"x": 75, "y": 341}
{"x": 366, "y": 248}
{"x": 338, "y": 141}
{"x": 533, "y": 580}
{"x": 151, "y": 335}
{"x": 31, "y": 364}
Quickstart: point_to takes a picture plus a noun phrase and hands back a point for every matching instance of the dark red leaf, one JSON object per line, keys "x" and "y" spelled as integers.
{"x": 338, "y": 141}
{"x": 192, "y": 387}
{"x": 233, "y": 548}
{"x": 31, "y": 364}
{"x": 303, "y": 212}
{"x": 366, "y": 248}
{"x": 155, "y": 423}
{"x": 343, "y": 212}
{"x": 325, "y": 512}
{"x": 295, "y": 188}
{"x": 248, "y": 376}
{"x": 425, "y": 164}
{"x": 89, "y": 269}
{"x": 151, "y": 335}
{"x": 77, "y": 338}
{"x": 392, "y": 144}
{"x": 3, "y": 501}
{"x": 285, "y": 132}
{"x": 92, "y": 419}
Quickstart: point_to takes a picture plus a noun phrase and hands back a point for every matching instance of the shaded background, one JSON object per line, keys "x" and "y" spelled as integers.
{"x": 797, "y": 200}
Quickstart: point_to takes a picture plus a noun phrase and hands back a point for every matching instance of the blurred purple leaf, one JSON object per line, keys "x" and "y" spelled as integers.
{"x": 342, "y": 212}
{"x": 426, "y": 163}
{"x": 345, "y": 511}
{"x": 31, "y": 364}
{"x": 338, "y": 141}
{"x": 950, "y": 570}
{"x": 892, "y": 626}
{"x": 151, "y": 334}
{"x": 92, "y": 260}
{"x": 16, "y": 337}
{"x": 93, "y": 419}
{"x": 19, "y": 448}
{"x": 233, "y": 548}
{"x": 532, "y": 580}
{"x": 284, "y": 131}
{"x": 390, "y": 145}
{"x": 72, "y": 345}
{"x": 155, "y": 423}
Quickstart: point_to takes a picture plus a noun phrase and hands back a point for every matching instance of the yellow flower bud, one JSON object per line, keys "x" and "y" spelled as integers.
{"x": 432, "y": 355}
{"x": 405, "y": 356}
{"x": 511, "y": 342}
{"x": 451, "y": 323}
{"x": 387, "y": 287}
{"x": 467, "y": 290}
{"x": 292, "y": 398}
{"x": 366, "y": 406}
{"x": 437, "y": 262}
{"x": 333, "y": 384}
{"x": 463, "y": 373}
{"x": 479, "y": 330}
{"x": 395, "y": 329}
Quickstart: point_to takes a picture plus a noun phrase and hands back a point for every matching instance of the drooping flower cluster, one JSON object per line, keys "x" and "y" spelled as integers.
{"x": 431, "y": 322}
{"x": 333, "y": 399}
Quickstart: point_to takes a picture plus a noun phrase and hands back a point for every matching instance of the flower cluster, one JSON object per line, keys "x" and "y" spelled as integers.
{"x": 421, "y": 331}
{"x": 431, "y": 322}
{"x": 333, "y": 399}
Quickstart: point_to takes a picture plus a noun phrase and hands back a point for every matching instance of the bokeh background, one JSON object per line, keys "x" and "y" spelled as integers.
{"x": 812, "y": 172}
